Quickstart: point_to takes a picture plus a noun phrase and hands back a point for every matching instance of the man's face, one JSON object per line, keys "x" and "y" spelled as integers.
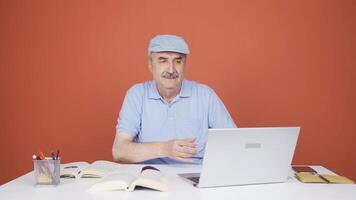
{"x": 167, "y": 69}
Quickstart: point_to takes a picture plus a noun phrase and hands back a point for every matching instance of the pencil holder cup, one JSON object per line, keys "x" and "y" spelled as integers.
{"x": 47, "y": 171}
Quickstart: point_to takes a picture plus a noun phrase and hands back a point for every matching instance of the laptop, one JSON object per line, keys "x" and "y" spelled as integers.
{"x": 241, "y": 156}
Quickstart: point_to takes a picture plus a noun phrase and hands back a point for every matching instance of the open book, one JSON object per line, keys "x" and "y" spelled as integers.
{"x": 309, "y": 177}
{"x": 97, "y": 169}
{"x": 148, "y": 177}
{"x": 306, "y": 174}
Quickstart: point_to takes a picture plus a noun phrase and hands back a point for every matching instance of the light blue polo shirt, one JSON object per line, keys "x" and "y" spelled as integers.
{"x": 149, "y": 118}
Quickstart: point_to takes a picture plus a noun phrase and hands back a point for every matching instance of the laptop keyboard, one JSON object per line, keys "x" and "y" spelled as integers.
{"x": 194, "y": 179}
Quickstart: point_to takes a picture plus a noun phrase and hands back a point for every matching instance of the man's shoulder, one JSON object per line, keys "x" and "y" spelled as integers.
{"x": 199, "y": 87}
{"x": 139, "y": 88}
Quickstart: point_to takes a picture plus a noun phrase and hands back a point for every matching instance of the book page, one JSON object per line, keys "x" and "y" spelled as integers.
{"x": 151, "y": 178}
{"x": 309, "y": 177}
{"x": 336, "y": 179}
{"x": 71, "y": 170}
{"x": 99, "y": 169}
{"x": 115, "y": 181}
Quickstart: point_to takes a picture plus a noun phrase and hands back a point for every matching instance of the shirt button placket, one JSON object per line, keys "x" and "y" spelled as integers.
{"x": 170, "y": 112}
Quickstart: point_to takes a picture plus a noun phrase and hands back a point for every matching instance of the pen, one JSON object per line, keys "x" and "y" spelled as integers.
{"x": 52, "y": 154}
{"x": 41, "y": 154}
{"x": 47, "y": 166}
{"x": 36, "y": 157}
{"x": 57, "y": 154}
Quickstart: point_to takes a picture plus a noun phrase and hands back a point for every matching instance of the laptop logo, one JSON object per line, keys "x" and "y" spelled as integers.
{"x": 253, "y": 145}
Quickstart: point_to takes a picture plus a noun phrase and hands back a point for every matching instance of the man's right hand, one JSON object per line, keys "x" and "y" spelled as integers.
{"x": 181, "y": 150}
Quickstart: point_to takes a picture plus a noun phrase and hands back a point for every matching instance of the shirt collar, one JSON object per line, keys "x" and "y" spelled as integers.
{"x": 153, "y": 91}
{"x": 185, "y": 91}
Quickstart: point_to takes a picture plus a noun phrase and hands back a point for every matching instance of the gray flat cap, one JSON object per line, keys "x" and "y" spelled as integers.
{"x": 171, "y": 43}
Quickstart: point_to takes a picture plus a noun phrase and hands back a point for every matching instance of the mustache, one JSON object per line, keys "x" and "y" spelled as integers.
{"x": 170, "y": 75}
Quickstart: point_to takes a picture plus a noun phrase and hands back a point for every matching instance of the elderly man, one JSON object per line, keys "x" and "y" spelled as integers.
{"x": 166, "y": 120}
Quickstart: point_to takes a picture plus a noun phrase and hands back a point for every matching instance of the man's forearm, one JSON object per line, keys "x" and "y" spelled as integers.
{"x": 131, "y": 152}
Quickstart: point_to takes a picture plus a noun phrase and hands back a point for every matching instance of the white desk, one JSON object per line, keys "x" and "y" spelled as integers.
{"x": 23, "y": 188}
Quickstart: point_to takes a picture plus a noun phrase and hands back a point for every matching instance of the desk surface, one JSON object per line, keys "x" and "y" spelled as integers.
{"x": 23, "y": 188}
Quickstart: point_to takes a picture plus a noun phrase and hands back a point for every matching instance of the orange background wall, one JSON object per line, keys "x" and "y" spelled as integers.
{"x": 65, "y": 67}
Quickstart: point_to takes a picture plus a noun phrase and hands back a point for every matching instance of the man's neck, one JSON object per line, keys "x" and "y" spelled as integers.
{"x": 168, "y": 94}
